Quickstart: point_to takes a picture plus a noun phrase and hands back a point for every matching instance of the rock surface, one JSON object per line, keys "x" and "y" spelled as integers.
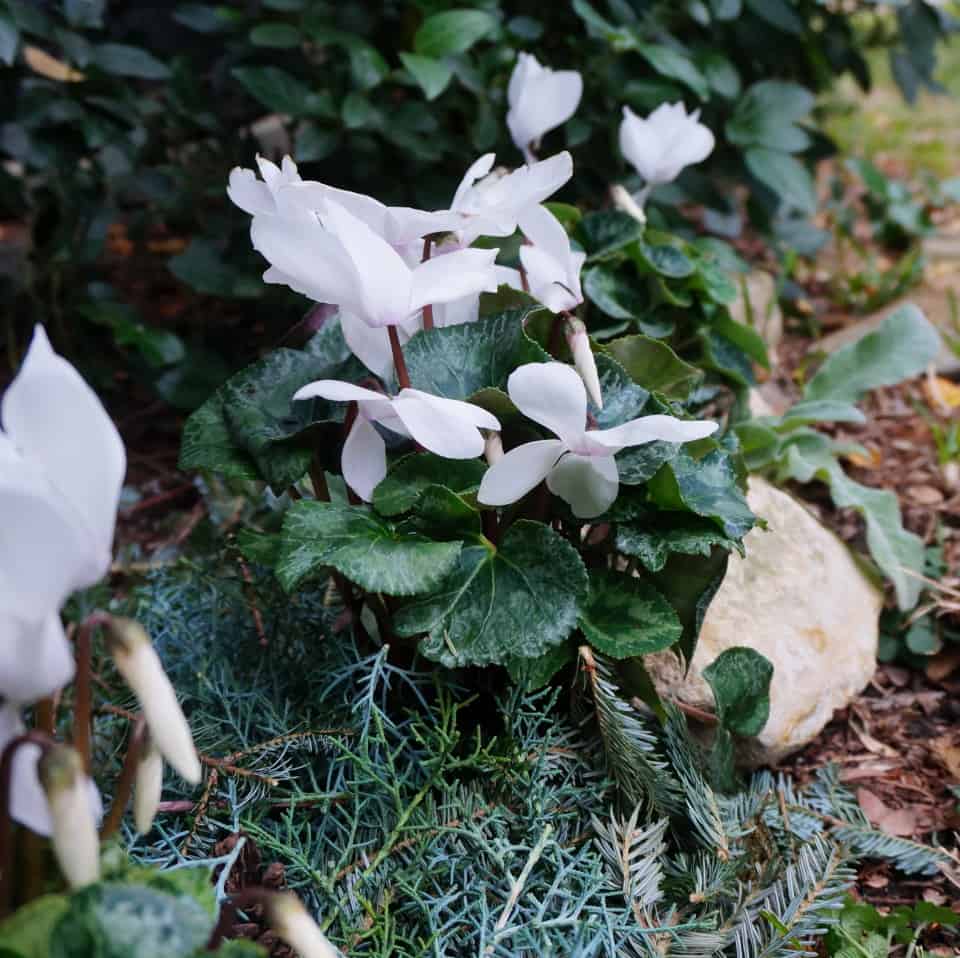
{"x": 800, "y": 599}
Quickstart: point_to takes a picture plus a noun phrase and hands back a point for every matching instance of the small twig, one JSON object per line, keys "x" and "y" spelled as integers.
{"x": 157, "y": 500}
{"x": 252, "y": 603}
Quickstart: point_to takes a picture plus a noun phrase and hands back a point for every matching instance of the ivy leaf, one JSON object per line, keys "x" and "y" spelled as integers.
{"x": 654, "y": 365}
{"x": 903, "y": 345}
{"x": 457, "y": 361}
{"x": 517, "y": 599}
{"x": 207, "y": 444}
{"x": 607, "y": 232}
{"x": 414, "y": 474}
{"x": 707, "y": 487}
{"x": 626, "y": 616}
{"x": 377, "y": 555}
{"x": 740, "y": 679}
{"x": 655, "y": 539}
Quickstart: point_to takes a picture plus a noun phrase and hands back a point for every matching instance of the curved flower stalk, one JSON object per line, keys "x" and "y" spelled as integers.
{"x": 62, "y": 464}
{"x": 660, "y": 146}
{"x": 579, "y": 465}
{"x": 489, "y": 202}
{"x": 540, "y": 99}
{"x": 333, "y": 257}
{"x": 447, "y": 427}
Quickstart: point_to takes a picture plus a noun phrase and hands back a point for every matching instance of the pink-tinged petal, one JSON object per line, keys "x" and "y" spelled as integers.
{"x": 370, "y": 344}
{"x": 479, "y": 168}
{"x": 57, "y": 422}
{"x": 457, "y": 311}
{"x": 552, "y": 395}
{"x": 650, "y": 428}
{"x": 364, "y": 460}
{"x": 548, "y": 280}
{"x": 521, "y": 469}
{"x": 385, "y": 277}
{"x": 453, "y": 276}
{"x": 468, "y": 412}
{"x": 337, "y": 391}
{"x": 249, "y": 193}
{"x": 588, "y": 484}
{"x": 314, "y": 262}
{"x": 36, "y": 659}
{"x": 438, "y": 426}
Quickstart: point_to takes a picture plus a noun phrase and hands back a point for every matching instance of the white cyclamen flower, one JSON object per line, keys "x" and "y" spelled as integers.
{"x": 147, "y": 785}
{"x": 28, "y": 801}
{"x": 291, "y": 922}
{"x": 447, "y": 427}
{"x": 333, "y": 257}
{"x": 668, "y": 140}
{"x": 579, "y": 466}
{"x": 489, "y": 203}
{"x": 552, "y": 267}
{"x": 583, "y": 359}
{"x": 73, "y": 835}
{"x": 61, "y": 469}
{"x": 137, "y": 661}
{"x": 540, "y": 99}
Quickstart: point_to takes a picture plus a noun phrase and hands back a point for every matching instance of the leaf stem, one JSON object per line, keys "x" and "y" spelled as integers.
{"x": 403, "y": 377}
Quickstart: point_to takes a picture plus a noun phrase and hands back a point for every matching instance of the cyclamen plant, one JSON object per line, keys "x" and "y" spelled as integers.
{"x": 501, "y": 505}
{"x": 62, "y": 464}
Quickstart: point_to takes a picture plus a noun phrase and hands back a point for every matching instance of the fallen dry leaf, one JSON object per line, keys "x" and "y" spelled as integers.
{"x": 925, "y": 495}
{"x": 943, "y": 664}
{"x": 50, "y": 67}
{"x": 947, "y": 750}
{"x": 941, "y": 393}
{"x": 893, "y": 821}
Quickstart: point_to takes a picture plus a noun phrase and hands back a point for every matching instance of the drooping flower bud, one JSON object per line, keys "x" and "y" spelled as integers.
{"x": 291, "y": 922}
{"x": 147, "y": 785}
{"x": 493, "y": 448}
{"x": 74, "y": 832}
{"x": 583, "y": 359}
{"x": 139, "y": 664}
{"x": 623, "y": 201}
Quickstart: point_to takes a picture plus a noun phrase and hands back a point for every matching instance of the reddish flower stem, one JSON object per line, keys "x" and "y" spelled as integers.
{"x": 83, "y": 686}
{"x": 128, "y": 773}
{"x": 427, "y": 310}
{"x": 399, "y": 363}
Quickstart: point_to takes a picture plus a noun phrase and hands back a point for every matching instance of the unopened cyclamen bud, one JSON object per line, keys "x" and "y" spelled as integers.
{"x": 74, "y": 830}
{"x": 291, "y": 922}
{"x": 624, "y": 202}
{"x": 147, "y": 785}
{"x": 583, "y": 359}
{"x": 493, "y": 448}
{"x": 139, "y": 664}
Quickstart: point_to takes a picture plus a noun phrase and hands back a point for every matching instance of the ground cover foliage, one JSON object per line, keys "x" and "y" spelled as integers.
{"x": 421, "y": 812}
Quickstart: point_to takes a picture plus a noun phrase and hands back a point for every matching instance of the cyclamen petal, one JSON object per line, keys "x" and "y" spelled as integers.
{"x": 552, "y": 395}
{"x": 660, "y": 146}
{"x": 439, "y": 425}
{"x": 588, "y": 484}
{"x": 364, "y": 460}
{"x": 515, "y": 473}
{"x": 452, "y": 276}
{"x": 540, "y": 100}
{"x": 650, "y": 428}
{"x": 337, "y": 391}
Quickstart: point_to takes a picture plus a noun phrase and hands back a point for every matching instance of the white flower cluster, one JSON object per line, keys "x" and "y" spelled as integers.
{"x": 393, "y": 271}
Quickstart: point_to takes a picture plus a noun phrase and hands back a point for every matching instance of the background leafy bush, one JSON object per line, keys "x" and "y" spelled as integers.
{"x": 144, "y": 107}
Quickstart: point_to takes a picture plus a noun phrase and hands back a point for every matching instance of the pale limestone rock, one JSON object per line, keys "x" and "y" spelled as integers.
{"x": 757, "y": 305}
{"x": 800, "y": 599}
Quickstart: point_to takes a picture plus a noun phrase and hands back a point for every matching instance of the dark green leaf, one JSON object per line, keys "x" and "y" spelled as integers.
{"x": 654, "y": 365}
{"x": 638, "y": 464}
{"x": 675, "y": 65}
{"x": 780, "y": 14}
{"x": 623, "y": 399}
{"x": 653, "y": 540}
{"x": 375, "y": 554}
{"x": 616, "y": 291}
{"x": 457, "y": 361}
{"x": 767, "y": 115}
{"x": 606, "y": 232}
{"x": 665, "y": 260}
{"x": 535, "y": 673}
{"x": 358, "y": 113}
{"x": 443, "y": 514}
{"x": 518, "y": 599}
{"x": 201, "y": 17}
{"x": 740, "y": 679}
{"x": 707, "y": 487}
{"x": 822, "y": 410}
{"x": 726, "y": 358}
{"x": 278, "y": 90}
{"x": 432, "y": 75}
{"x": 208, "y": 445}
{"x": 281, "y": 36}
{"x": 413, "y": 474}
{"x": 202, "y": 267}
{"x": 84, "y": 13}
{"x": 127, "y": 61}
{"x": 9, "y": 39}
{"x": 626, "y": 616}
{"x": 264, "y": 548}
{"x": 453, "y": 31}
